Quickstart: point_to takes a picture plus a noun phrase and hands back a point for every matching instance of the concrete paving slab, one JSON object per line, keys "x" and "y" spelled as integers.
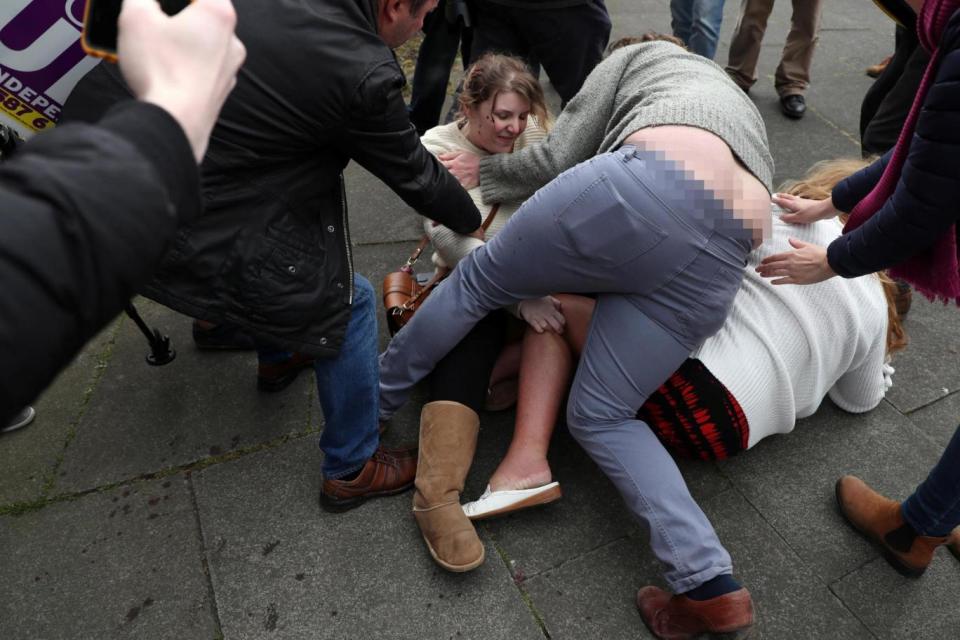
{"x": 594, "y": 595}
{"x": 894, "y": 607}
{"x": 590, "y": 514}
{"x": 145, "y": 419}
{"x": 377, "y": 214}
{"x": 929, "y": 368}
{"x": 124, "y": 563}
{"x": 791, "y": 602}
{"x": 790, "y": 479}
{"x": 938, "y": 421}
{"x": 282, "y": 568}
{"x": 29, "y": 457}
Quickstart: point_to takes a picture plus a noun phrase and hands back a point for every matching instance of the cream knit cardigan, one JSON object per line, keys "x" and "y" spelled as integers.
{"x": 449, "y": 246}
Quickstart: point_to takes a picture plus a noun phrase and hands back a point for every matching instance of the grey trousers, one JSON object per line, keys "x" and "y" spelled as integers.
{"x": 666, "y": 260}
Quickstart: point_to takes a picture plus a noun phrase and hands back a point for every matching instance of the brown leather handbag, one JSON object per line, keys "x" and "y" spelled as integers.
{"x": 403, "y": 294}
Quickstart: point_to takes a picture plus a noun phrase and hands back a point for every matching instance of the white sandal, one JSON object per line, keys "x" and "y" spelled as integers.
{"x": 495, "y": 503}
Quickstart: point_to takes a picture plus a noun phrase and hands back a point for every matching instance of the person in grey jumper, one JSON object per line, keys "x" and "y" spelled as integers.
{"x": 664, "y": 190}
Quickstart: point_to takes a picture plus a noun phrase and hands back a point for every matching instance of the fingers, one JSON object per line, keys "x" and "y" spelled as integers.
{"x": 797, "y": 244}
{"x": 784, "y": 200}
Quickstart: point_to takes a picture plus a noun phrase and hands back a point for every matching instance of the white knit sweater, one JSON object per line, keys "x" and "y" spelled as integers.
{"x": 450, "y": 247}
{"x": 784, "y": 347}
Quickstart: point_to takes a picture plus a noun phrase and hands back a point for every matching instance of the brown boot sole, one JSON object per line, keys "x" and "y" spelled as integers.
{"x": 888, "y": 554}
{"x": 339, "y": 505}
{"x": 455, "y": 568}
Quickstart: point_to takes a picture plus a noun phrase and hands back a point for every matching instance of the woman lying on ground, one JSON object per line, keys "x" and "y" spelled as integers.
{"x": 502, "y": 110}
{"x": 659, "y": 187}
{"x": 780, "y": 352}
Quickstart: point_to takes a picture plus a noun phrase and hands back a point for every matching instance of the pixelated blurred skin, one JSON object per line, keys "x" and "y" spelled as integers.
{"x": 707, "y": 172}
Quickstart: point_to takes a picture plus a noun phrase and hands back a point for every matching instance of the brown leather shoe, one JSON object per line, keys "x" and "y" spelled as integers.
{"x": 387, "y": 472}
{"x": 875, "y": 70}
{"x": 676, "y": 617}
{"x": 876, "y": 517}
{"x": 277, "y": 376}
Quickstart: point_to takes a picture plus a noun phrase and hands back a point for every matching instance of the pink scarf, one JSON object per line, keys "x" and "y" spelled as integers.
{"x": 933, "y": 272}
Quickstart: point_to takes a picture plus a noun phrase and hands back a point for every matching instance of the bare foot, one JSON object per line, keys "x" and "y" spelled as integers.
{"x": 516, "y": 473}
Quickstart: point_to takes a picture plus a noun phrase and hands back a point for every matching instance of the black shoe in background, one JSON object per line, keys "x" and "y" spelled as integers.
{"x": 793, "y": 106}
{"x": 221, "y": 337}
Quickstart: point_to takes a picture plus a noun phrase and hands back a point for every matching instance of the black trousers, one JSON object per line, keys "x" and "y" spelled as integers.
{"x": 568, "y": 42}
{"x": 464, "y": 374}
{"x": 444, "y": 33}
{"x": 887, "y": 103}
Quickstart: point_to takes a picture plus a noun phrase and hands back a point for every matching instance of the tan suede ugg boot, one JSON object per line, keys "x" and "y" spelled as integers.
{"x": 448, "y": 439}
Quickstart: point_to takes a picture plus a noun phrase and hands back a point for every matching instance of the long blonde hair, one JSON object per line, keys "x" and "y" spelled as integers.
{"x": 818, "y": 184}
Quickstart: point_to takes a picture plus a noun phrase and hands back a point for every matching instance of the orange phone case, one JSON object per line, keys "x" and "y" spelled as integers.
{"x": 110, "y": 56}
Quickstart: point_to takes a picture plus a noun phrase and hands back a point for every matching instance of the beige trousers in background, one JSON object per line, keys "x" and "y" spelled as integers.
{"x": 793, "y": 72}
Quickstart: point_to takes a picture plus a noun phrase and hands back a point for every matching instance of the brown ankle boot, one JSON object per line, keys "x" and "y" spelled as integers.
{"x": 877, "y": 517}
{"x": 953, "y": 543}
{"x": 448, "y": 439}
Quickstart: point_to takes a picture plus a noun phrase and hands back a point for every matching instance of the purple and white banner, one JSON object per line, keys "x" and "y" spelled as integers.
{"x": 40, "y": 60}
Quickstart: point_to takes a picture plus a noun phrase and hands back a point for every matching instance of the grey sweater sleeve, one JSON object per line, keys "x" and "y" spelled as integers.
{"x": 577, "y": 135}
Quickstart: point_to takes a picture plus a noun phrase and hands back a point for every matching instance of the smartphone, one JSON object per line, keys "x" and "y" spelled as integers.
{"x": 100, "y": 17}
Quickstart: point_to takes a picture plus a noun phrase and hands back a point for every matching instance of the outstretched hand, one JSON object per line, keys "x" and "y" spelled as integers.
{"x": 799, "y": 210}
{"x": 187, "y": 64}
{"x": 807, "y": 264}
{"x": 543, "y": 314}
{"x": 464, "y": 166}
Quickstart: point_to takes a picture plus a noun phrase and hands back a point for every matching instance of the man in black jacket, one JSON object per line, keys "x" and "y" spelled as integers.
{"x": 88, "y": 210}
{"x": 271, "y": 252}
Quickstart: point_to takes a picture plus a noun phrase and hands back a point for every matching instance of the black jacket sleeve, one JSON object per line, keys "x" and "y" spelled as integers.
{"x": 380, "y": 137}
{"x": 87, "y": 213}
{"x": 926, "y": 201}
{"x": 854, "y": 188}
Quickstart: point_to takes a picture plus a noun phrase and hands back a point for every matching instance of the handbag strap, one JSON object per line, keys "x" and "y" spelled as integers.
{"x": 439, "y": 274}
{"x": 425, "y": 240}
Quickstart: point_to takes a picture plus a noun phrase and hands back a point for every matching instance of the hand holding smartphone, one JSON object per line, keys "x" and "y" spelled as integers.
{"x": 100, "y": 19}
{"x": 185, "y": 64}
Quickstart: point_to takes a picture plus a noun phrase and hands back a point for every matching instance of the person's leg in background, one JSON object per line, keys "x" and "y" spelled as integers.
{"x": 792, "y": 76}
{"x": 697, "y": 23}
{"x": 880, "y": 133}
{"x": 746, "y": 41}
{"x": 568, "y": 42}
{"x": 441, "y": 40}
{"x": 886, "y": 80}
{"x": 354, "y": 466}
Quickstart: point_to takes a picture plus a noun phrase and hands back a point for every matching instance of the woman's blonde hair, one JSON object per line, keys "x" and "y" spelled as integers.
{"x": 818, "y": 184}
{"x": 495, "y": 73}
{"x": 649, "y": 36}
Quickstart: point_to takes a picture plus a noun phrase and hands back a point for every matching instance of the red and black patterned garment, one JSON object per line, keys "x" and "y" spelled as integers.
{"x": 695, "y": 416}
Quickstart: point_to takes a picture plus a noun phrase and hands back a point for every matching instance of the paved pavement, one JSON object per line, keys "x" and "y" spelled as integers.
{"x": 180, "y": 503}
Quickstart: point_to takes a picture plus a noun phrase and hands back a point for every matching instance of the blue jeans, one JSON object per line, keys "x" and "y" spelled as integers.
{"x": 348, "y": 388}
{"x": 934, "y": 508}
{"x": 665, "y": 259}
{"x": 697, "y": 23}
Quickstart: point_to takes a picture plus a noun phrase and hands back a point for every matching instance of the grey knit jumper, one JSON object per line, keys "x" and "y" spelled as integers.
{"x": 644, "y": 85}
